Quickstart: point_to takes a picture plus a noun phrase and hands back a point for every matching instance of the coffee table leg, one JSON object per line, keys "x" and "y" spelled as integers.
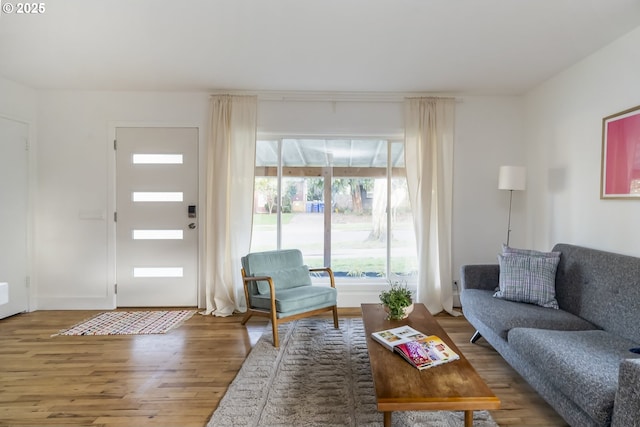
{"x": 468, "y": 418}
{"x": 387, "y": 419}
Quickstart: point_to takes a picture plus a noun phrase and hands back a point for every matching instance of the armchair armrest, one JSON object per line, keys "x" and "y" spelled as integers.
{"x": 247, "y": 279}
{"x": 480, "y": 276}
{"x": 272, "y": 289}
{"x": 326, "y": 270}
{"x": 255, "y": 278}
{"x": 626, "y": 407}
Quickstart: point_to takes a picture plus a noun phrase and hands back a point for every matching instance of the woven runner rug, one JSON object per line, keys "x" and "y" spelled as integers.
{"x": 320, "y": 376}
{"x": 130, "y": 323}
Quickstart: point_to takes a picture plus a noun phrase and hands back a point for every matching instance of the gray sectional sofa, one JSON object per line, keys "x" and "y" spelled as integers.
{"x": 577, "y": 357}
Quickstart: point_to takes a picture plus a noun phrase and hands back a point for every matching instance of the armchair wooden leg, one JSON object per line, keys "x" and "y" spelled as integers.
{"x": 274, "y": 326}
{"x": 276, "y": 338}
{"x": 335, "y": 317}
{"x": 246, "y": 317}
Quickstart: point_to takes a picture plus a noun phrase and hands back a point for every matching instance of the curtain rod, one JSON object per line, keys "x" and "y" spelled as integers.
{"x": 317, "y": 96}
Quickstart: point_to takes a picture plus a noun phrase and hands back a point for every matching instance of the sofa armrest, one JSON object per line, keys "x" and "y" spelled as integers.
{"x": 480, "y": 276}
{"x": 626, "y": 408}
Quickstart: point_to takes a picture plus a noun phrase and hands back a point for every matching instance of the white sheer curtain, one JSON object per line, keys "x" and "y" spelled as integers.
{"x": 230, "y": 177}
{"x": 429, "y": 128}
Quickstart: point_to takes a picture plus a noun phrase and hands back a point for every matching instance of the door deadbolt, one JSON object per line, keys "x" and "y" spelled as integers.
{"x": 192, "y": 225}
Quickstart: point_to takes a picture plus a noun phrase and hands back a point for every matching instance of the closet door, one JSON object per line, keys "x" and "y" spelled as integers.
{"x": 14, "y": 191}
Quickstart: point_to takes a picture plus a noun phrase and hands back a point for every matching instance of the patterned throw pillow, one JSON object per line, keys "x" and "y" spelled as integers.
{"x": 528, "y": 278}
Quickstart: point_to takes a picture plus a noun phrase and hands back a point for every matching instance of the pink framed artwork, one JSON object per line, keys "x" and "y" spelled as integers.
{"x": 620, "y": 178}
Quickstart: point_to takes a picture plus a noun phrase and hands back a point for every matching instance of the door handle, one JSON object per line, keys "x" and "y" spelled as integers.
{"x": 192, "y": 225}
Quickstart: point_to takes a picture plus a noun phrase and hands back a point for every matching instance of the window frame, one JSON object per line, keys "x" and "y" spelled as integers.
{"x": 368, "y": 283}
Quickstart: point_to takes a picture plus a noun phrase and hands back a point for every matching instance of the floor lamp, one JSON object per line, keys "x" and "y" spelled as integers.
{"x": 511, "y": 178}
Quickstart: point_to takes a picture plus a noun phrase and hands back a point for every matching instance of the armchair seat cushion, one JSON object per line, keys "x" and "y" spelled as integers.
{"x": 297, "y": 300}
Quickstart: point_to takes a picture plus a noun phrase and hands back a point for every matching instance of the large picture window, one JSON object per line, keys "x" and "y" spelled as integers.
{"x": 342, "y": 202}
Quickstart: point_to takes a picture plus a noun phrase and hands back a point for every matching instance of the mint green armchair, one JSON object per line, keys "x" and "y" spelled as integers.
{"x": 277, "y": 285}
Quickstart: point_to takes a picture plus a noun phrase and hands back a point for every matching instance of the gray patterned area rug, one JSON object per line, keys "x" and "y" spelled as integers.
{"x": 320, "y": 376}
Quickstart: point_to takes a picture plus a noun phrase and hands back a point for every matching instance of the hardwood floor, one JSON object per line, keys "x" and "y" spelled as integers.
{"x": 176, "y": 379}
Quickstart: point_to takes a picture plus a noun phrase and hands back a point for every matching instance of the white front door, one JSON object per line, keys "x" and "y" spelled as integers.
{"x": 156, "y": 217}
{"x": 14, "y": 191}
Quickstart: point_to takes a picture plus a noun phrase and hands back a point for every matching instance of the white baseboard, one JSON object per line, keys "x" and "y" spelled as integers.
{"x": 67, "y": 303}
{"x": 351, "y": 296}
{"x": 456, "y": 300}
{"x": 348, "y": 296}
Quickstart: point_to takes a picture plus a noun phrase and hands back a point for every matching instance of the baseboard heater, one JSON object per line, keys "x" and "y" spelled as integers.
{"x": 4, "y": 293}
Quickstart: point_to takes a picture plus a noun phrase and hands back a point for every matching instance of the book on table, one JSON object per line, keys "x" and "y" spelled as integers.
{"x": 421, "y": 350}
{"x": 396, "y": 336}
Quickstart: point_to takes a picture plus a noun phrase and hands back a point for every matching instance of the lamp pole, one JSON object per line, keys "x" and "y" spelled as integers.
{"x": 511, "y": 178}
{"x": 509, "y": 221}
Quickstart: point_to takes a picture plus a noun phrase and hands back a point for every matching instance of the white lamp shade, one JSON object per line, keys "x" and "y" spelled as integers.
{"x": 512, "y": 178}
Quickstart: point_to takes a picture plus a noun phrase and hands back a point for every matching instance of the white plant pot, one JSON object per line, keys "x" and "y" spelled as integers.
{"x": 407, "y": 311}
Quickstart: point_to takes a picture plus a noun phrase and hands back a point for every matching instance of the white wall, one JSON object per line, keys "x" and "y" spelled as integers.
{"x": 340, "y": 118}
{"x": 75, "y": 256}
{"x": 18, "y": 101}
{"x": 564, "y": 141}
{"x": 488, "y": 135}
{"x": 76, "y": 164}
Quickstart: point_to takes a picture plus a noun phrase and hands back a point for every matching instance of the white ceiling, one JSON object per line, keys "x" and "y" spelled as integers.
{"x": 437, "y": 46}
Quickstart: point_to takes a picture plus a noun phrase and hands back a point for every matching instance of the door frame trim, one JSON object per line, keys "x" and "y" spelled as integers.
{"x": 111, "y": 201}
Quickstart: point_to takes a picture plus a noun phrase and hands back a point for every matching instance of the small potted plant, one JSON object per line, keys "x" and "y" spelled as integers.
{"x": 397, "y": 300}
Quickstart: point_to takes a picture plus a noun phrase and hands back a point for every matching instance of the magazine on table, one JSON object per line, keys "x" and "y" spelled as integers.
{"x": 396, "y": 336}
{"x": 426, "y": 352}
{"x": 422, "y": 351}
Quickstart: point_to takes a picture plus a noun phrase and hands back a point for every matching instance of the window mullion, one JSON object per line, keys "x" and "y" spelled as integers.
{"x": 388, "y": 195}
{"x": 327, "y": 174}
{"x": 279, "y": 198}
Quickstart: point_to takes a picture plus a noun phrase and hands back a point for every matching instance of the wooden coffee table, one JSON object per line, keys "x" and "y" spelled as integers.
{"x": 454, "y": 386}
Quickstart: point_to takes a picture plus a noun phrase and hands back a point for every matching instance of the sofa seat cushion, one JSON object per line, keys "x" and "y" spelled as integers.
{"x": 581, "y": 364}
{"x": 297, "y": 300}
{"x": 501, "y": 315}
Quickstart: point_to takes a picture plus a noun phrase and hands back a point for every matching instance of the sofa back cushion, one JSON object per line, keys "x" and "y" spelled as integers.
{"x": 285, "y": 267}
{"x": 601, "y": 287}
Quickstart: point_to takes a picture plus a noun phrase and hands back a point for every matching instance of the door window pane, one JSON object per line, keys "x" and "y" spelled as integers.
{"x": 157, "y": 234}
{"x": 157, "y": 196}
{"x": 158, "y": 272}
{"x": 157, "y": 159}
